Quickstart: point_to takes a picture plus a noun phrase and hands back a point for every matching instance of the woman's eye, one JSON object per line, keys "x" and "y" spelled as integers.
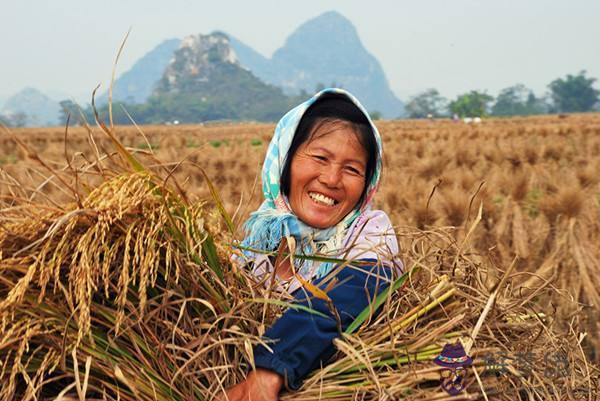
{"x": 320, "y": 158}
{"x": 353, "y": 170}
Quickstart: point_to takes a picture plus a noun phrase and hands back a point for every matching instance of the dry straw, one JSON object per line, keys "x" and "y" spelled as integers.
{"x": 128, "y": 293}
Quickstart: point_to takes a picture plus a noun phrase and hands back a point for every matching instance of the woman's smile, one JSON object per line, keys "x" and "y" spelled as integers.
{"x": 327, "y": 176}
{"x": 322, "y": 199}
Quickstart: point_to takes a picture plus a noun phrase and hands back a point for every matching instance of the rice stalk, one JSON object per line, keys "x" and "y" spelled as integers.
{"x": 137, "y": 281}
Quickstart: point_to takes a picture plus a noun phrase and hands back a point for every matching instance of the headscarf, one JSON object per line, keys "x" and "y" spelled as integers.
{"x": 274, "y": 220}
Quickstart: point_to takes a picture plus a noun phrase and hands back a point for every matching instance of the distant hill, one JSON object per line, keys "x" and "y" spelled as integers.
{"x": 222, "y": 77}
{"x": 137, "y": 84}
{"x": 251, "y": 59}
{"x": 325, "y": 50}
{"x": 322, "y": 51}
{"x": 36, "y": 109}
{"x": 204, "y": 81}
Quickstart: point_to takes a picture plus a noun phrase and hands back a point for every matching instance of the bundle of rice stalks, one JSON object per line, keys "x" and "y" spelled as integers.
{"x": 129, "y": 294}
{"x": 120, "y": 280}
{"x": 571, "y": 263}
{"x": 517, "y": 350}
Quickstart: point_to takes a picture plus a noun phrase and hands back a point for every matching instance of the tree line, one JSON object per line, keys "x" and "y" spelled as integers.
{"x": 572, "y": 94}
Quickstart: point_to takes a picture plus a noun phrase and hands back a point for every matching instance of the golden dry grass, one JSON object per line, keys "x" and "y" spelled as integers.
{"x": 536, "y": 179}
{"x": 115, "y": 283}
{"x": 534, "y": 171}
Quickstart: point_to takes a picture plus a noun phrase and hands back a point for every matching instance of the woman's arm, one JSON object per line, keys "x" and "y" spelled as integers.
{"x": 302, "y": 341}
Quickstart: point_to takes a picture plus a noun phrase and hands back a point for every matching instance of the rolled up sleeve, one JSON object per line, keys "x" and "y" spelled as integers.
{"x": 302, "y": 341}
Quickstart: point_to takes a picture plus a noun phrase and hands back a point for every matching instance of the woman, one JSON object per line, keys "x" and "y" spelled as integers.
{"x": 319, "y": 176}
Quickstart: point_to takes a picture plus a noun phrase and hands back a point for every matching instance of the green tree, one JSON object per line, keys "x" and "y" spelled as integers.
{"x": 517, "y": 100}
{"x": 472, "y": 104}
{"x": 427, "y": 103}
{"x": 18, "y": 119}
{"x": 375, "y": 115}
{"x": 78, "y": 113}
{"x": 4, "y": 120}
{"x": 574, "y": 94}
{"x": 68, "y": 107}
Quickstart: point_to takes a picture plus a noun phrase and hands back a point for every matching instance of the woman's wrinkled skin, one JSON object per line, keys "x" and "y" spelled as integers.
{"x": 327, "y": 176}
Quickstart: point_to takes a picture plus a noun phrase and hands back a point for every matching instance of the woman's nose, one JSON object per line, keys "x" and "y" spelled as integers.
{"x": 330, "y": 175}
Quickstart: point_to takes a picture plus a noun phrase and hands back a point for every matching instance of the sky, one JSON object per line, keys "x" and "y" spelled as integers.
{"x": 65, "y": 48}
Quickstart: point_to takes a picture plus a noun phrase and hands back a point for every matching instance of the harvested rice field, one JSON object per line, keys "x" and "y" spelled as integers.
{"x": 116, "y": 281}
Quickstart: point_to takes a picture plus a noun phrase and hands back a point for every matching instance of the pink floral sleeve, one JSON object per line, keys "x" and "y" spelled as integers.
{"x": 372, "y": 236}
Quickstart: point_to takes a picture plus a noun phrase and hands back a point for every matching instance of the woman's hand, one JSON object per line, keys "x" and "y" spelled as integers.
{"x": 260, "y": 385}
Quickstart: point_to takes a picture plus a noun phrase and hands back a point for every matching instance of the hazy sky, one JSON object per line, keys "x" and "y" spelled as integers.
{"x": 67, "y": 47}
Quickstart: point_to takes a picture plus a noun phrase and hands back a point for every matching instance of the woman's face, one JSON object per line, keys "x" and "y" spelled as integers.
{"x": 327, "y": 175}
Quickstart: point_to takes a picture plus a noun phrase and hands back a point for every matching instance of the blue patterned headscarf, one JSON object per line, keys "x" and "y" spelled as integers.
{"x": 275, "y": 220}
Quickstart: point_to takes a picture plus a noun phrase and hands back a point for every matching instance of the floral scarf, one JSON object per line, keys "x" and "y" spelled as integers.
{"x": 275, "y": 220}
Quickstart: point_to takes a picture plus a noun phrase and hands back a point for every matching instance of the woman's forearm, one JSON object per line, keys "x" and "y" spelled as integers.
{"x": 300, "y": 341}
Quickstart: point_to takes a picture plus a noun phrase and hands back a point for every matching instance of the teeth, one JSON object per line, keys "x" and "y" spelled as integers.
{"x": 321, "y": 198}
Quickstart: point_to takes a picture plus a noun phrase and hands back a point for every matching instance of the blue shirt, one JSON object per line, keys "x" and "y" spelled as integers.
{"x": 302, "y": 341}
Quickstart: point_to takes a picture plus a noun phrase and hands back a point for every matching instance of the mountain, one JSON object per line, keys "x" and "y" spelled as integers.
{"x": 137, "y": 84}
{"x": 250, "y": 58}
{"x": 322, "y": 51}
{"x": 204, "y": 81}
{"x": 32, "y": 107}
{"x": 198, "y": 59}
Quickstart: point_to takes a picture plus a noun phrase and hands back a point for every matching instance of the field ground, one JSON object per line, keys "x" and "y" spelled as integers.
{"x": 537, "y": 179}
{"x": 523, "y": 160}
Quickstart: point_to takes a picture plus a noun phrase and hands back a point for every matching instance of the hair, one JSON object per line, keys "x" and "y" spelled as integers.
{"x": 333, "y": 109}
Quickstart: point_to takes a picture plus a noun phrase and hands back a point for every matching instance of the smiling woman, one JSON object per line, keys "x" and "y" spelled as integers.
{"x": 328, "y": 176}
{"x": 319, "y": 176}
